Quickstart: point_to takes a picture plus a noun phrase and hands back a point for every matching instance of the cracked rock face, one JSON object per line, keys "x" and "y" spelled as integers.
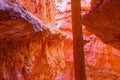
{"x": 29, "y": 49}
{"x": 104, "y": 20}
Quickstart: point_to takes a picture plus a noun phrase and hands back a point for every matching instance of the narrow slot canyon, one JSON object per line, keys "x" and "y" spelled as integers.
{"x": 37, "y": 39}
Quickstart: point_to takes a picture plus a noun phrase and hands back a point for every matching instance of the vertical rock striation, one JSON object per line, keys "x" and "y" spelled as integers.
{"x": 42, "y": 9}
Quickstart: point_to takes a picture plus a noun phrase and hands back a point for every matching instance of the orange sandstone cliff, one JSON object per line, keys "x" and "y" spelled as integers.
{"x": 30, "y": 49}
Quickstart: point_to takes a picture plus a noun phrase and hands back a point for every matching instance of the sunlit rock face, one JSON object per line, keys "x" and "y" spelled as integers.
{"x": 29, "y": 49}
{"x": 103, "y": 21}
{"x": 102, "y": 60}
{"x": 43, "y": 9}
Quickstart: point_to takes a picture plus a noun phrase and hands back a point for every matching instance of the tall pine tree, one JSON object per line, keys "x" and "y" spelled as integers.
{"x": 78, "y": 50}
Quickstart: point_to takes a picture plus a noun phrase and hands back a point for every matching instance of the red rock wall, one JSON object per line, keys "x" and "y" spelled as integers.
{"x": 43, "y": 9}
{"x": 29, "y": 49}
{"x": 109, "y": 19}
{"x": 102, "y": 60}
{"x": 93, "y": 2}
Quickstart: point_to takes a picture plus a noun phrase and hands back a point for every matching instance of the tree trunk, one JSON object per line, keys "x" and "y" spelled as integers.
{"x": 78, "y": 50}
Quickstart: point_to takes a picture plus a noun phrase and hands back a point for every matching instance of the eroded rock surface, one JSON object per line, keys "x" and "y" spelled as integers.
{"x": 104, "y": 20}
{"x": 29, "y": 49}
{"x": 102, "y": 60}
{"x": 42, "y": 9}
